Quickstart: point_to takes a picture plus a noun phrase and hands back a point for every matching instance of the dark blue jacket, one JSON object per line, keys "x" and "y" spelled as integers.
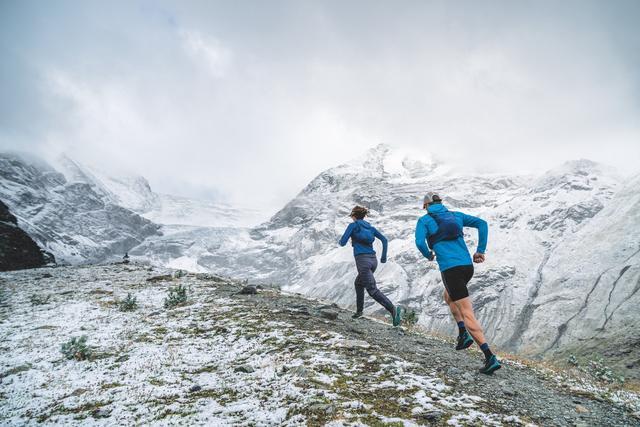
{"x": 363, "y": 247}
{"x": 450, "y": 253}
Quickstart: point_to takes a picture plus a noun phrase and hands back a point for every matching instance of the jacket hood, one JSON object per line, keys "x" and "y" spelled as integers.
{"x": 362, "y": 223}
{"x": 437, "y": 208}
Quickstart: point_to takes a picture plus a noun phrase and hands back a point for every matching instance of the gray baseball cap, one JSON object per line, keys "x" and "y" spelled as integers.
{"x": 431, "y": 198}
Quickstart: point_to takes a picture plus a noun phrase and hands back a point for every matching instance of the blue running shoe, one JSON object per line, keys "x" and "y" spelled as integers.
{"x": 490, "y": 365}
{"x": 464, "y": 341}
{"x": 397, "y": 315}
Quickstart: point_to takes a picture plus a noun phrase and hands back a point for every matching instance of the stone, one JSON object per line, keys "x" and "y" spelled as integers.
{"x": 195, "y": 388}
{"x": 352, "y": 344}
{"x": 299, "y": 309}
{"x": 329, "y": 314}
{"x": 101, "y": 413}
{"x": 509, "y": 391}
{"x": 247, "y": 369}
{"x": 160, "y": 278}
{"x": 467, "y": 377}
{"x": 431, "y": 415}
{"x": 326, "y": 408}
{"x": 248, "y": 290}
{"x": 299, "y": 371}
{"x": 581, "y": 409}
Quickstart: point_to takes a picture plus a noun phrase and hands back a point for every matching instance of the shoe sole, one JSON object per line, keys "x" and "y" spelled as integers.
{"x": 490, "y": 371}
{"x": 466, "y": 345}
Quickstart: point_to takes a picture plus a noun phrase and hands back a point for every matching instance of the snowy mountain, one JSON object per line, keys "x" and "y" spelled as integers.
{"x": 134, "y": 193}
{"x": 69, "y": 217}
{"x": 551, "y": 237}
{"x": 82, "y": 214}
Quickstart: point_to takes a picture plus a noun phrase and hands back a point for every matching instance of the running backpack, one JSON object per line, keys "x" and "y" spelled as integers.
{"x": 448, "y": 228}
{"x": 363, "y": 234}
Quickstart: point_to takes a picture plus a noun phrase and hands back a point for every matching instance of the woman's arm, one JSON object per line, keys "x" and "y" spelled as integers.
{"x": 347, "y": 233}
{"x": 379, "y": 235}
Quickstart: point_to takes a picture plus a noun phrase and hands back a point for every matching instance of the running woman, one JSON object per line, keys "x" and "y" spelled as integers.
{"x": 362, "y": 235}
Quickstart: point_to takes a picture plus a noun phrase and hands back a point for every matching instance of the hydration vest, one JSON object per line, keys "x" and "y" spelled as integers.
{"x": 448, "y": 228}
{"x": 363, "y": 235}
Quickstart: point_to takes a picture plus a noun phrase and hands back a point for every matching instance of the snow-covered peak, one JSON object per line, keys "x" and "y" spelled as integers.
{"x": 388, "y": 162}
{"x": 580, "y": 175}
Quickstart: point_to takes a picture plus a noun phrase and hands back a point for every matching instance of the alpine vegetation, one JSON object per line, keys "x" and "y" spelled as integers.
{"x": 76, "y": 348}
{"x": 130, "y": 303}
{"x": 38, "y": 299}
{"x": 176, "y": 296}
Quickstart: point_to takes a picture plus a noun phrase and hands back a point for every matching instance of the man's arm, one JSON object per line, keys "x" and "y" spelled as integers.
{"x": 347, "y": 233}
{"x": 421, "y": 240}
{"x": 483, "y": 230}
{"x": 379, "y": 235}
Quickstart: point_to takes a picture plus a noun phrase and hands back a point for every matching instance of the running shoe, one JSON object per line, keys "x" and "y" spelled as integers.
{"x": 464, "y": 341}
{"x": 397, "y": 315}
{"x": 357, "y": 315}
{"x": 490, "y": 365}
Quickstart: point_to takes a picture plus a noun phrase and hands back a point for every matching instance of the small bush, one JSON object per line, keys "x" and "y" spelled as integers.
{"x": 598, "y": 370}
{"x": 76, "y": 348}
{"x": 410, "y": 318}
{"x": 39, "y": 299}
{"x": 176, "y": 297}
{"x": 130, "y": 303}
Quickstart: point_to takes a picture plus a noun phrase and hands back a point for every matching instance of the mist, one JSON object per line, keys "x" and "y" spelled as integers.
{"x": 245, "y": 102}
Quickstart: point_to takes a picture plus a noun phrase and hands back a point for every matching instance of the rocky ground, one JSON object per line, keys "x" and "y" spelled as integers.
{"x": 225, "y": 357}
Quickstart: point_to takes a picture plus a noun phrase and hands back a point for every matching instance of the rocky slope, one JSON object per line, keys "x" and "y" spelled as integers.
{"x": 228, "y": 358}
{"x": 533, "y": 293}
{"x": 17, "y": 249}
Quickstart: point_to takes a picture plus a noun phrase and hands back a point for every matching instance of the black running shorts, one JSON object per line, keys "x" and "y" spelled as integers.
{"x": 455, "y": 280}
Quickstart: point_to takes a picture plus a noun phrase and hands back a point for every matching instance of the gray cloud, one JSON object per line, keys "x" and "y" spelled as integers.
{"x": 247, "y": 101}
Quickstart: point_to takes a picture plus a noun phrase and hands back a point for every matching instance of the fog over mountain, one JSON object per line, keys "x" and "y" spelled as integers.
{"x": 246, "y": 103}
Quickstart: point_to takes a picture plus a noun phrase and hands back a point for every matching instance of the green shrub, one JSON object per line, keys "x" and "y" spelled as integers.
{"x": 601, "y": 372}
{"x": 176, "y": 297}
{"x": 39, "y": 299}
{"x": 76, "y": 348}
{"x": 130, "y": 303}
{"x": 410, "y": 317}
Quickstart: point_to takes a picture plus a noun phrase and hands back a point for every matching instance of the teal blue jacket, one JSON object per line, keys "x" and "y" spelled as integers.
{"x": 449, "y": 253}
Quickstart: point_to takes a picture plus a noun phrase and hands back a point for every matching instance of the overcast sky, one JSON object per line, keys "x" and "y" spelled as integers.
{"x": 249, "y": 100}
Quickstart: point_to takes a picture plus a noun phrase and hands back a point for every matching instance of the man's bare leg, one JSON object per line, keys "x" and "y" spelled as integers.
{"x": 453, "y": 307}
{"x": 465, "y": 308}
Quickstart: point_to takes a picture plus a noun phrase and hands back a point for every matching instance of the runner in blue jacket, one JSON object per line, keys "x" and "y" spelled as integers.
{"x": 441, "y": 231}
{"x": 362, "y": 235}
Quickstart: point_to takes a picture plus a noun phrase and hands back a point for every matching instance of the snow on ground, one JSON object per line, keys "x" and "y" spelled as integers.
{"x": 217, "y": 360}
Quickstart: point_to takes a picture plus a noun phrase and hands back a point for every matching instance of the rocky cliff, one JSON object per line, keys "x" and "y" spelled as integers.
{"x": 17, "y": 249}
